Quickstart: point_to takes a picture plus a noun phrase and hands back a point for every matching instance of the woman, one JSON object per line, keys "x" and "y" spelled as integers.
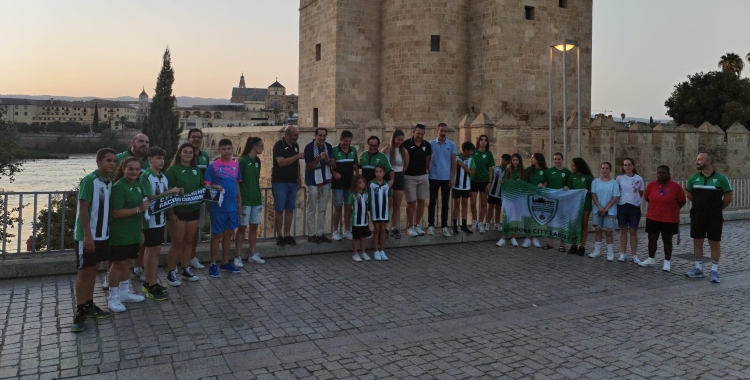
{"x": 515, "y": 171}
{"x": 604, "y": 195}
{"x": 665, "y": 198}
{"x": 581, "y": 178}
{"x": 536, "y": 175}
{"x": 182, "y": 221}
{"x": 399, "y": 158}
{"x": 629, "y": 208}
{"x": 480, "y": 182}
{"x": 252, "y": 203}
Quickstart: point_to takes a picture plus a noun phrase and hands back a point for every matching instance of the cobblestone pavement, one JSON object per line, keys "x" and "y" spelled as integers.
{"x": 446, "y": 312}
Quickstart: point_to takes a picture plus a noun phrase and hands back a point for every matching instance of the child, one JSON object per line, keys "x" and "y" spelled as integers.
{"x": 360, "y": 224}
{"x": 224, "y": 174}
{"x": 380, "y": 192}
{"x": 252, "y": 204}
{"x": 605, "y": 193}
{"x": 155, "y": 184}
{"x": 494, "y": 195}
{"x": 461, "y": 191}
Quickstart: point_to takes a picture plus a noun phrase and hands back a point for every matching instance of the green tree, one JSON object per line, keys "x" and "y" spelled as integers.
{"x": 9, "y": 166}
{"x": 731, "y": 63}
{"x": 162, "y": 125}
{"x": 95, "y": 125}
{"x": 52, "y": 217}
{"x": 707, "y": 97}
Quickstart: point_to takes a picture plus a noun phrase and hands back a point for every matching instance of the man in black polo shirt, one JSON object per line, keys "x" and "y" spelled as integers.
{"x": 710, "y": 193}
{"x": 416, "y": 179}
{"x": 285, "y": 181}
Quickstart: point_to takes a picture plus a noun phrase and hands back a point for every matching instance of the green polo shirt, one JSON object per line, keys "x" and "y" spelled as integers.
{"x": 126, "y": 195}
{"x": 536, "y": 176}
{"x": 557, "y": 179}
{"x": 484, "y": 162}
{"x": 708, "y": 192}
{"x": 188, "y": 179}
{"x": 579, "y": 182}
{"x": 250, "y": 185}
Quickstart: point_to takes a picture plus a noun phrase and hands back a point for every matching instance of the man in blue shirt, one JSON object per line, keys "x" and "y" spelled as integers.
{"x": 442, "y": 174}
{"x": 319, "y": 160}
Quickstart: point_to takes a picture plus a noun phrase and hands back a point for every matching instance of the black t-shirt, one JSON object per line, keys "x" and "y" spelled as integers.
{"x": 417, "y": 157}
{"x": 289, "y": 173}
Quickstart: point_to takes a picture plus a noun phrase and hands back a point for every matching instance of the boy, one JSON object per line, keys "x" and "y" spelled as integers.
{"x": 465, "y": 167}
{"x": 224, "y": 174}
{"x": 155, "y": 184}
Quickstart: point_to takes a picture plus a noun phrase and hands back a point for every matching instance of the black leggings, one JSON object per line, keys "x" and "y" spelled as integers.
{"x": 445, "y": 192}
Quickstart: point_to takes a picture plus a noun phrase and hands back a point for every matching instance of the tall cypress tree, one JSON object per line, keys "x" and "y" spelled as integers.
{"x": 95, "y": 124}
{"x": 162, "y": 125}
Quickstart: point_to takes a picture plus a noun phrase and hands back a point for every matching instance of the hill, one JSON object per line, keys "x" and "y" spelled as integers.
{"x": 182, "y": 101}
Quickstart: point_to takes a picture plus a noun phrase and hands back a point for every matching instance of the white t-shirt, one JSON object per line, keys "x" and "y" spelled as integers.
{"x": 630, "y": 188}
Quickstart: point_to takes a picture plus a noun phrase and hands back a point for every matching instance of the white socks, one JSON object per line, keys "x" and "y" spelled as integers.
{"x": 125, "y": 286}
{"x": 714, "y": 266}
{"x": 699, "y": 264}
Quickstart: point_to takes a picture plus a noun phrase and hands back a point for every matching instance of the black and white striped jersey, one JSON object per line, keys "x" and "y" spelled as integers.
{"x": 463, "y": 179}
{"x": 96, "y": 190}
{"x": 155, "y": 185}
{"x": 379, "y": 195}
{"x": 497, "y": 176}
{"x": 359, "y": 209}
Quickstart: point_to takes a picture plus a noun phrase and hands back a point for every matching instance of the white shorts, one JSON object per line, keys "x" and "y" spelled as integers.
{"x": 250, "y": 215}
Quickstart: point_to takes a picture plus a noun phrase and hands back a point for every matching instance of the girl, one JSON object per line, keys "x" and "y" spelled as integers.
{"x": 516, "y": 172}
{"x": 484, "y": 162}
{"x": 399, "y": 158}
{"x": 629, "y": 208}
{"x": 360, "y": 223}
{"x": 536, "y": 174}
{"x": 604, "y": 193}
{"x": 252, "y": 204}
{"x": 127, "y": 205}
{"x": 581, "y": 179}
{"x": 379, "y": 195}
{"x": 182, "y": 221}
{"x": 494, "y": 195}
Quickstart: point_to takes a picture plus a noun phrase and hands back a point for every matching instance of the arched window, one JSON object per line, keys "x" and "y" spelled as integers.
{"x": 217, "y": 115}
{"x": 275, "y": 104}
{"x": 186, "y": 114}
{"x": 197, "y": 113}
{"x": 207, "y": 115}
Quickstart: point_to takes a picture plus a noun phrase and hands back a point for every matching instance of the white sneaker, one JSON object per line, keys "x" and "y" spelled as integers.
{"x": 238, "y": 262}
{"x": 377, "y": 256}
{"x": 336, "y": 236}
{"x": 474, "y": 225}
{"x": 114, "y": 304}
{"x": 498, "y": 227}
{"x": 597, "y": 252}
{"x": 447, "y": 232}
{"x": 535, "y": 242}
{"x": 513, "y": 242}
{"x": 256, "y": 259}
{"x": 356, "y": 257}
{"x": 482, "y": 229}
{"x": 105, "y": 282}
{"x": 130, "y": 297}
{"x": 412, "y": 232}
{"x": 431, "y": 230}
{"x": 194, "y": 263}
{"x": 648, "y": 262}
{"x": 610, "y": 256}
{"x": 623, "y": 258}
{"x": 500, "y": 243}
{"x": 348, "y": 235}
{"x": 364, "y": 256}
{"x": 383, "y": 256}
{"x": 636, "y": 259}
{"x": 138, "y": 276}
{"x": 419, "y": 229}
{"x": 667, "y": 266}
{"x": 526, "y": 243}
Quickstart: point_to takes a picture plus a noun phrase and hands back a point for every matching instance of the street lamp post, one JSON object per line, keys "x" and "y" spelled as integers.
{"x": 564, "y": 47}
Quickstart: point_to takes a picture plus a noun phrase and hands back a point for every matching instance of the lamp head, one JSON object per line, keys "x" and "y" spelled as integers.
{"x": 567, "y": 45}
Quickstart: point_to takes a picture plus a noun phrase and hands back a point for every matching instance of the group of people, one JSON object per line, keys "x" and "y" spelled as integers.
{"x": 366, "y": 189}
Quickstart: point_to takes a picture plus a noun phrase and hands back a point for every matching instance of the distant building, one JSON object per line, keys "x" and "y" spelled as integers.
{"x": 143, "y": 107}
{"x": 43, "y": 112}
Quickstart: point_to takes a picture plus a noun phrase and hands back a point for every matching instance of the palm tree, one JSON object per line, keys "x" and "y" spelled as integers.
{"x": 622, "y": 116}
{"x": 731, "y": 63}
{"x": 747, "y": 57}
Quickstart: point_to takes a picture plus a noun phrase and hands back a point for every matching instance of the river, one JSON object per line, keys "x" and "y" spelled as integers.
{"x": 51, "y": 175}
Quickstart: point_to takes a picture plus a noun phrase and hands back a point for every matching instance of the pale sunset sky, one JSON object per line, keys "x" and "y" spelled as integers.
{"x": 641, "y": 48}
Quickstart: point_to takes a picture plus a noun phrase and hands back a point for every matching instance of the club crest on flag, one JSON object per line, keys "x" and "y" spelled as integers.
{"x": 541, "y": 208}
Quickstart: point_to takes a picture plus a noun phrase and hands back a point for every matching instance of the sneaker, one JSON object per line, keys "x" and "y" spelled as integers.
{"x": 466, "y": 230}
{"x": 94, "y": 312}
{"x": 535, "y": 242}
{"x": 348, "y": 235}
{"x": 420, "y": 231}
{"x": 647, "y": 263}
{"x": 188, "y": 275}
{"x": 290, "y": 240}
{"x": 455, "y": 230}
{"x": 513, "y": 242}
{"x": 474, "y": 225}
{"x": 395, "y": 233}
{"x": 114, "y": 304}
{"x": 636, "y": 259}
{"x": 314, "y": 239}
{"x": 228, "y": 267}
{"x": 500, "y": 243}
{"x": 447, "y": 232}
{"x": 194, "y": 263}
{"x": 714, "y": 277}
{"x": 238, "y": 262}
{"x": 155, "y": 293}
{"x": 430, "y": 230}
{"x": 667, "y": 266}
{"x": 256, "y": 259}
{"x": 498, "y": 227}
{"x": 79, "y": 321}
{"x": 173, "y": 279}
{"x": 573, "y": 250}
{"x": 597, "y": 252}
{"x": 695, "y": 273}
{"x": 377, "y": 256}
{"x": 138, "y": 276}
{"x": 336, "y": 236}
{"x": 364, "y": 256}
{"x": 280, "y": 241}
{"x": 355, "y": 257}
{"x": 526, "y": 243}
{"x": 481, "y": 228}
{"x": 324, "y": 238}
{"x": 610, "y": 256}
{"x": 623, "y": 258}
{"x": 385, "y": 258}
{"x": 145, "y": 286}
{"x": 105, "y": 282}
{"x": 387, "y": 233}
{"x": 213, "y": 271}
{"x": 130, "y": 297}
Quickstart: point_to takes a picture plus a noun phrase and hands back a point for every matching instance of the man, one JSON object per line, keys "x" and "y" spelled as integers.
{"x": 318, "y": 164}
{"x": 195, "y": 138}
{"x": 373, "y": 157}
{"x": 346, "y": 165}
{"x": 710, "y": 193}
{"x": 285, "y": 180}
{"x": 442, "y": 176}
{"x": 416, "y": 179}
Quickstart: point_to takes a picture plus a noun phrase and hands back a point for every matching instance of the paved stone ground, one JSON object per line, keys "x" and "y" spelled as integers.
{"x": 448, "y": 312}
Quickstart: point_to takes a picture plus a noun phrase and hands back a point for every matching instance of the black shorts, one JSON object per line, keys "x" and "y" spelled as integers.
{"x": 188, "y": 216}
{"x": 123, "y": 252}
{"x": 89, "y": 259}
{"x": 706, "y": 226}
{"x": 664, "y": 228}
{"x": 153, "y": 237}
{"x": 495, "y": 201}
{"x": 460, "y": 193}
{"x": 361, "y": 232}
{"x": 479, "y": 187}
{"x": 398, "y": 181}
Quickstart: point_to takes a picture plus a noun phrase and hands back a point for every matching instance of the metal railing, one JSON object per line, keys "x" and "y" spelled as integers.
{"x": 52, "y": 217}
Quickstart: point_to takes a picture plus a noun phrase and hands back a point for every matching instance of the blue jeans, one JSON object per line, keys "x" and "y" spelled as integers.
{"x": 340, "y": 196}
{"x": 284, "y": 196}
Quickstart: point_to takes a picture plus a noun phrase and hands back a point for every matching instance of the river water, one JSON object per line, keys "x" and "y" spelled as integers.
{"x": 51, "y": 175}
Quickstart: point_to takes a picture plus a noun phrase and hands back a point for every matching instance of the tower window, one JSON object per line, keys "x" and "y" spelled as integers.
{"x": 435, "y": 43}
{"x": 529, "y": 12}
{"x": 317, "y": 52}
{"x": 563, "y": 3}
{"x": 315, "y": 118}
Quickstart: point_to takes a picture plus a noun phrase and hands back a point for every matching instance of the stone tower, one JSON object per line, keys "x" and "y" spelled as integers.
{"x": 242, "y": 80}
{"x": 143, "y": 107}
{"x": 394, "y": 63}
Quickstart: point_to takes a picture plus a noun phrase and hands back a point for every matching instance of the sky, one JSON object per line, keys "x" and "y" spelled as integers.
{"x": 641, "y": 48}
